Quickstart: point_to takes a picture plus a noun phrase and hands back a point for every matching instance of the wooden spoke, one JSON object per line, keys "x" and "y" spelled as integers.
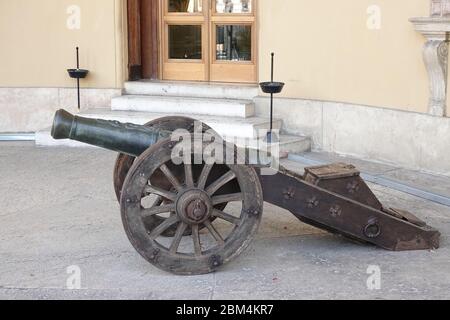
{"x": 196, "y": 238}
{"x": 178, "y": 237}
{"x": 216, "y": 235}
{"x": 158, "y": 210}
{"x": 219, "y": 183}
{"x": 163, "y": 227}
{"x": 173, "y": 180}
{"x": 160, "y": 192}
{"x": 204, "y": 176}
{"x": 234, "y": 197}
{"x": 189, "y": 175}
{"x": 227, "y": 217}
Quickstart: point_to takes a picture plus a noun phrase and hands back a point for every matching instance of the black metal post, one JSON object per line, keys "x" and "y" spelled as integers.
{"x": 271, "y": 88}
{"x": 78, "y": 79}
{"x": 272, "y": 64}
{"x": 269, "y": 138}
{"x": 271, "y": 116}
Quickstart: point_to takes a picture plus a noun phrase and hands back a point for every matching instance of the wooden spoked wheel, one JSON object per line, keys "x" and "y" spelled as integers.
{"x": 125, "y": 162}
{"x": 205, "y": 237}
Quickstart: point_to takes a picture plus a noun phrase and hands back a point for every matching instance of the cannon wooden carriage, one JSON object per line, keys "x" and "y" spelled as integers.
{"x": 192, "y": 216}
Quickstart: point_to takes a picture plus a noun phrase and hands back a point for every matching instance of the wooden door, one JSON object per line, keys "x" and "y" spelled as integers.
{"x": 208, "y": 40}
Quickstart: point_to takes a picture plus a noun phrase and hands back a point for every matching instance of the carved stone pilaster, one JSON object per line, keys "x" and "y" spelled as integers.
{"x": 435, "y": 53}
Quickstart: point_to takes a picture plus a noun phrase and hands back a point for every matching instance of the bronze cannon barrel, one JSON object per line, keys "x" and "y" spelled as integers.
{"x": 125, "y": 138}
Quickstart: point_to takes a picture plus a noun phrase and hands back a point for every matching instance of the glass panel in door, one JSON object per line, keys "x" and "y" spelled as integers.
{"x": 234, "y": 6}
{"x": 185, "y": 6}
{"x": 234, "y": 43}
{"x": 185, "y": 42}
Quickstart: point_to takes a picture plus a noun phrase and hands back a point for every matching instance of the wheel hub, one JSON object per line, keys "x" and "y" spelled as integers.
{"x": 196, "y": 210}
{"x": 194, "y": 207}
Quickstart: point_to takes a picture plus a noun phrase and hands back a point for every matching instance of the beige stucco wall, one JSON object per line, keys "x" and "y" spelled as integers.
{"x": 325, "y": 51}
{"x": 37, "y": 46}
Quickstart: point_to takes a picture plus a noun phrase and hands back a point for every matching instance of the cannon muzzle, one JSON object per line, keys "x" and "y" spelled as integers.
{"x": 125, "y": 138}
{"x": 62, "y": 125}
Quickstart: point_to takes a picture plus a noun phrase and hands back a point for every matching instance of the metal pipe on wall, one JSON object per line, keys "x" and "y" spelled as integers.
{"x": 6, "y": 137}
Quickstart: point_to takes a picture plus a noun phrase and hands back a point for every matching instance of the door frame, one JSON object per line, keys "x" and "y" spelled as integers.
{"x": 143, "y": 39}
{"x": 199, "y": 67}
{"x": 245, "y": 67}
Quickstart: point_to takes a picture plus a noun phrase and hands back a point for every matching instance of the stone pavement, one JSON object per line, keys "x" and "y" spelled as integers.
{"x": 58, "y": 210}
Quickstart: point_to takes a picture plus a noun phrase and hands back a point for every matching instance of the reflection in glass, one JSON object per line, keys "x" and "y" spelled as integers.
{"x": 185, "y": 6}
{"x": 185, "y": 42}
{"x": 234, "y": 6}
{"x": 234, "y": 43}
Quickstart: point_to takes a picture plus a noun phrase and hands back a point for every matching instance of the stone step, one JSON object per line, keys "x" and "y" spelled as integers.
{"x": 184, "y": 105}
{"x": 192, "y": 89}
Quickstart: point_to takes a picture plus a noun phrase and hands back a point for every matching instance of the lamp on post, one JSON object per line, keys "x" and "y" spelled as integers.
{"x": 272, "y": 88}
{"x": 78, "y": 74}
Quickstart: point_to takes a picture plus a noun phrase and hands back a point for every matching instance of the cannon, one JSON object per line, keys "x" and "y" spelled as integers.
{"x": 189, "y": 215}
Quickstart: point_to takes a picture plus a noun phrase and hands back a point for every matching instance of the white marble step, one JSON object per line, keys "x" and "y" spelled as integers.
{"x": 192, "y": 89}
{"x": 184, "y": 105}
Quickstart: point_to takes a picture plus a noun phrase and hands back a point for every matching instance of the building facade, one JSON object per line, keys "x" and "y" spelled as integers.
{"x": 363, "y": 77}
